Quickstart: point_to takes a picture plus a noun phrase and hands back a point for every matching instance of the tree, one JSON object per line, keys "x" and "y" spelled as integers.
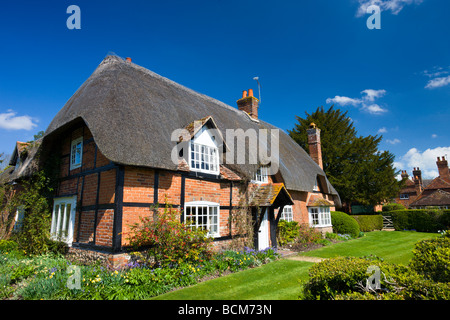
{"x": 359, "y": 172}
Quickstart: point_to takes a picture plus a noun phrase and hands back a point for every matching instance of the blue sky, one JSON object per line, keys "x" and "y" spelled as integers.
{"x": 393, "y": 81}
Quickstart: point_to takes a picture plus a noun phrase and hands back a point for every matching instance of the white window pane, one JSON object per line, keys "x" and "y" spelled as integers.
{"x": 67, "y": 219}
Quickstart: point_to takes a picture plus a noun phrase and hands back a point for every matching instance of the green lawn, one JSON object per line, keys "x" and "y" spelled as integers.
{"x": 279, "y": 280}
{"x": 392, "y": 246}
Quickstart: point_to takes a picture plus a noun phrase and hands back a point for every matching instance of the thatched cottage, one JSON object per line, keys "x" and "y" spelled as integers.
{"x": 115, "y": 141}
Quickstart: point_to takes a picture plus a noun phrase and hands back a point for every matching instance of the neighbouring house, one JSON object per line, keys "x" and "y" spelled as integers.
{"x": 117, "y": 138}
{"x": 412, "y": 188}
{"x": 420, "y": 193}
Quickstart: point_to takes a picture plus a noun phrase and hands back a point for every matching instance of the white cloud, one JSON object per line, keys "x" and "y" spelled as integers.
{"x": 434, "y": 135}
{"x": 10, "y": 121}
{"x": 438, "y": 82}
{"x": 371, "y": 94}
{"x": 394, "y": 141}
{"x": 395, "y": 6}
{"x": 436, "y": 72}
{"x": 425, "y": 160}
{"x": 382, "y": 130}
{"x": 374, "y": 109}
{"x": 364, "y": 103}
{"x": 343, "y": 101}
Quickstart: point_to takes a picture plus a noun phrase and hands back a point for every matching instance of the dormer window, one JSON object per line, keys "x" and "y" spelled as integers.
{"x": 76, "y": 153}
{"x": 204, "y": 158}
{"x": 316, "y": 186}
{"x": 204, "y": 153}
{"x": 262, "y": 175}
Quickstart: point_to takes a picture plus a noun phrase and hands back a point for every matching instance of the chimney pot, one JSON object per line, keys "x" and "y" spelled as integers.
{"x": 249, "y": 104}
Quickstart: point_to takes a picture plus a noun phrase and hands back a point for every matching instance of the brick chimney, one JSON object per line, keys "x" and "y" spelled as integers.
{"x": 249, "y": 104}
{"x": 405, "y": 175}
{"x": 442, "y": 165}
{"x": 417, "y": 174}
{"x": 315, "y": 148}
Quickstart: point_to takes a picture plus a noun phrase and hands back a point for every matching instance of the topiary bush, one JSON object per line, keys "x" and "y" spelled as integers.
{"x": 344, "y": 224}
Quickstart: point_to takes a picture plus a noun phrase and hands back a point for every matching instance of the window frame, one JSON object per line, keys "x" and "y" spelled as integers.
{"x": 211, "y": 207}
{"x": 261, "y": 175}
{"x": 320, "y": 218}
{"x": 404, "y": 196}
{"x": 208, "y": 158}
{"x": 288, "y": 213}
{"x": 67, "y": 222}
{"x": 316, "y": 186}
{"x": 73, "y": 156}
{"x": 18, "y": 218}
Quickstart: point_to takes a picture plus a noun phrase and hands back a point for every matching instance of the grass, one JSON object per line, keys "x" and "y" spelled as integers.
{"x": 279, "y": 280}
{"x": 392, "y": 246}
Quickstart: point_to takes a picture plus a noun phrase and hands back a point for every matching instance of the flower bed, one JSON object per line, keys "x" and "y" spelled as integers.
{"x": 51, "y": 276}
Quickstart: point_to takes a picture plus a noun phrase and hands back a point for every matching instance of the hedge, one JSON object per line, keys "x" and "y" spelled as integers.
{"x": 369, "y": 222}
{"x": 422, "y": 220}
{"x": 344, "y": 224}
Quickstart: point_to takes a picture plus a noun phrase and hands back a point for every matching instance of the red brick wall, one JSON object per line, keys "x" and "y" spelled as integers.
{"x": 85, "y": 188}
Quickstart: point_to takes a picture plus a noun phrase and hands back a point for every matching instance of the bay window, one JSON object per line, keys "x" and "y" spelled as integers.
{"x": 319, "y": 216}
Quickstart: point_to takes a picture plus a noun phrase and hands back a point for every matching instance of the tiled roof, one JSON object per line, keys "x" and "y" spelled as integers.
{"x": 269, "y": 194}
{"x": 437, "y": 198}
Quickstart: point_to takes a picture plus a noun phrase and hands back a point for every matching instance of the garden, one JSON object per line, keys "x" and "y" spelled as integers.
{"x": 175, "y": 255}
{"x": 178, "y": 263}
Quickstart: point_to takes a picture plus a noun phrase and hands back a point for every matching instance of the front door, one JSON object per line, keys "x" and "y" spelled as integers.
{"x": 263, "y": 232}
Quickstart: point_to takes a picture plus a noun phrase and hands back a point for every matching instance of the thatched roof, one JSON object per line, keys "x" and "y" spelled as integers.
{"x": 25, "y": 154}
{"x": 132, "y": 112}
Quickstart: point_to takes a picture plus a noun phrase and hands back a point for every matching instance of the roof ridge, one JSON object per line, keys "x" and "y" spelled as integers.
{"x": 168, "y": 81}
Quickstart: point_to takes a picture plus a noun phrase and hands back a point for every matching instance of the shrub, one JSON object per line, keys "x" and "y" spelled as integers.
{"x": 392, "y": 206}
{"x": 369, "y": 222}
{"x": 308, "y": 234}
{"x": 336, "y": 276}
{"x": 422, "y": 220}
{"x": 287, "y": 232}
{"x": 344, "y": 224}
{"x": 169, "y": 241}
{"x": 431, "y": 258}
{"x": 8, "y": 245}
{"x": 345, "y": 279}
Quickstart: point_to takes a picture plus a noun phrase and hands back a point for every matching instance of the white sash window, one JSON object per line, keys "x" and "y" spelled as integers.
{"x": 63, "y": 219}
{"x": 203, "y": 215}
{"x": 319, "y": 216}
